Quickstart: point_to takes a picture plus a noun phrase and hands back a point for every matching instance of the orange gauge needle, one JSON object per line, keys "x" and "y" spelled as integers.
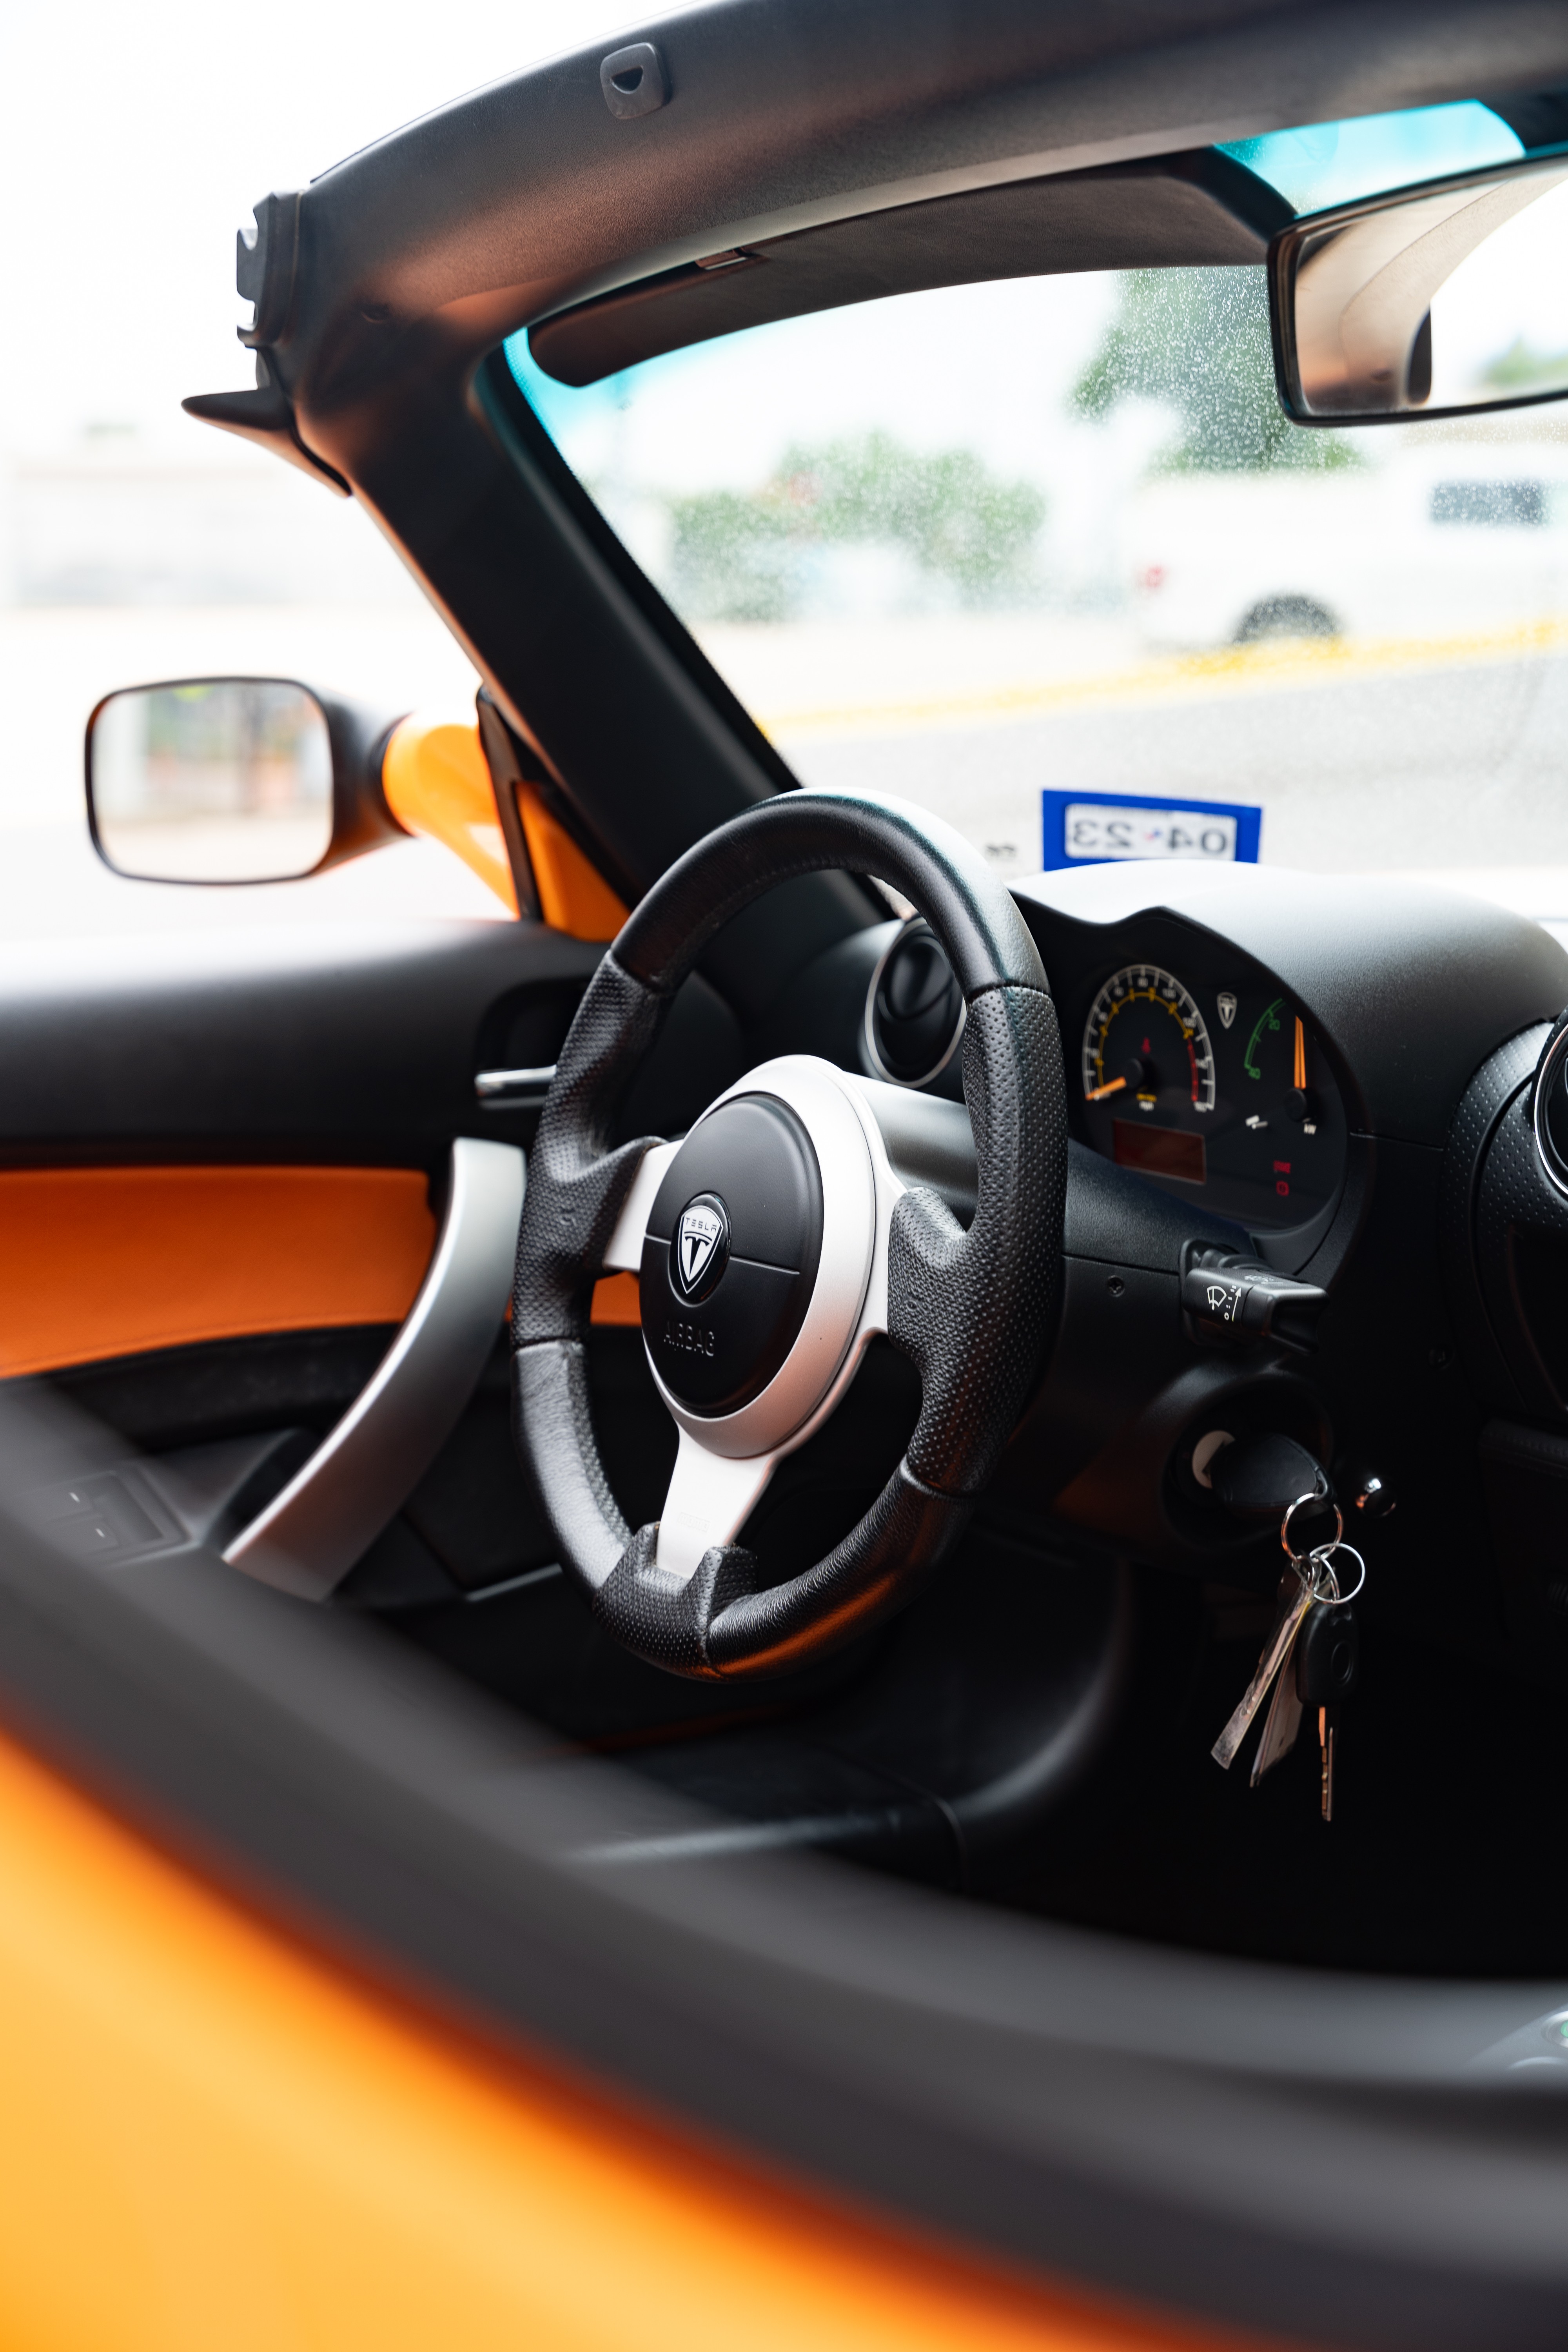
{"x": 1301, "y": 1073}
{"x": 1111, "y": 1087}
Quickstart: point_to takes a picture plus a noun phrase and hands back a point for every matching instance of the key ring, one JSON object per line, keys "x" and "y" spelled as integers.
{"x": 1300, "y": 1503}
{"x": 1337, "y": 1600}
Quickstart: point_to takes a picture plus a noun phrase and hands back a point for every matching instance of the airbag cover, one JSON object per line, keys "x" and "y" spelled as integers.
{"x": 730, "y": 1259}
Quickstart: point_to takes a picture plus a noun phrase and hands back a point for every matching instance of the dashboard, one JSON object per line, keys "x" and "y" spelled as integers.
{"x": 1189, "y": 1060}
{"x": 1250, "y": 1043}
{"x": 1353, "y": 1081}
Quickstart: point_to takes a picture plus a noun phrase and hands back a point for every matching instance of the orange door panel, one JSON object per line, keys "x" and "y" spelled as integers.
{"x": 617, "y": 1299}
{"x": 100, "y": 1262}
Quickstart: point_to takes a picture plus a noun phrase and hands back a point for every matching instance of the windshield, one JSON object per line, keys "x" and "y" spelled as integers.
{"x": 1045, "y": 556}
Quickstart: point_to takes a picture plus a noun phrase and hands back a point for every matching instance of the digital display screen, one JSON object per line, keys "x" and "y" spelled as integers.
{"x": 1159, "y": 1151}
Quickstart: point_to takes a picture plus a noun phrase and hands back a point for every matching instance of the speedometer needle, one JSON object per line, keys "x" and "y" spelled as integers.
{"x": 1111, "y": 1087}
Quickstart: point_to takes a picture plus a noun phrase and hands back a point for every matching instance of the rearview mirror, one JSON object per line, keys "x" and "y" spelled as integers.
{"x": 231, "y": 780}
{"x": 1436, "y": 301}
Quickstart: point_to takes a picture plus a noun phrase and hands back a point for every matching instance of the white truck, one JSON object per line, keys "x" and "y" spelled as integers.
{"x": 1435, "y": 541}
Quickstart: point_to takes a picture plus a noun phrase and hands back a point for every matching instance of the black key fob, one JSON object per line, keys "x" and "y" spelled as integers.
{"x": 1328, "y": 1652}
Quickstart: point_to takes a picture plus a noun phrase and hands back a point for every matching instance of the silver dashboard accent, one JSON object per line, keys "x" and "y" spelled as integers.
{"x": 1550, "y": 1075}
{"x": 514, "y": 1090}
{"x": 875, "y": 1066}
{"x": 307, "y": 1538}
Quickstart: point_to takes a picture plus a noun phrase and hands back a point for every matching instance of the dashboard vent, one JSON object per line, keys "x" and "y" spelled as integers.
{"x": 915, "y": 1013}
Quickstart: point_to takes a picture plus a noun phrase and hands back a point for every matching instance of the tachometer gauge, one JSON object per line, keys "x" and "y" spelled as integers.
{"x": 1146, "y": 1039}
{"x": 1148, "y": 1074}
{"x": 1250, "y": 1112}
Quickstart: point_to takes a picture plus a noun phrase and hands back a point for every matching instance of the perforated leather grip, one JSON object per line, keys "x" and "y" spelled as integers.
{"x": 972, "y": 1309}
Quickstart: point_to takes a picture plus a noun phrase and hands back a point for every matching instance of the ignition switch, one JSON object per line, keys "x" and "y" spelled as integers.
{"x": 1261, "y": 1478}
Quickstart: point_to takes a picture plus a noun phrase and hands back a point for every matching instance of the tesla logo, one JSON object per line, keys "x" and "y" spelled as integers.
{"x": 1227, "y": 1003}
{"x": 700, "y": 1250}
{"x": 701, "y": 1233}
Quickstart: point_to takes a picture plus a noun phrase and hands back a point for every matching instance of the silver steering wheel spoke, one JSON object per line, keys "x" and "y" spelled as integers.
{"x": 623, "y": 1251}
{"x": 711, "y": 1497}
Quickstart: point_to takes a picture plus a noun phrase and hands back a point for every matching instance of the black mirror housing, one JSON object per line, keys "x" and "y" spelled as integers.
{"x": 225, "y": 780}
{"x": 1426, "y": 302}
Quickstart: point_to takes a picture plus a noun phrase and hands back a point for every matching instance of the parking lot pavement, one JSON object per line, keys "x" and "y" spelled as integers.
{"x": 1455, "y": 767}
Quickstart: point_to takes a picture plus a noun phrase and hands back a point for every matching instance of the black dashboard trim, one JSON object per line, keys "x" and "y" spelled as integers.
{"x": 1409, "y": 986}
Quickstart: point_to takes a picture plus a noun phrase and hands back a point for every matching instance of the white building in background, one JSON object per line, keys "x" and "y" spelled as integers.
{"x": 119, "y": 522}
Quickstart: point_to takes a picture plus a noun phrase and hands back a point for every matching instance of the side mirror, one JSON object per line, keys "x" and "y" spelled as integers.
{"x": 1436, "y": 301}
{"x": 233, "y": 780}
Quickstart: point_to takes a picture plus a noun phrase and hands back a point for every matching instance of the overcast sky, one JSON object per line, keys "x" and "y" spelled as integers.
{"x": 135, "y": 139}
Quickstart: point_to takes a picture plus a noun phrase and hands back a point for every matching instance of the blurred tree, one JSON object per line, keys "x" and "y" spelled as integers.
{"x": 1521, "y": 368}
{"x": 753, "y": 556}
{"x": 1196, "y": 340}
{"x": 735, "y": 558}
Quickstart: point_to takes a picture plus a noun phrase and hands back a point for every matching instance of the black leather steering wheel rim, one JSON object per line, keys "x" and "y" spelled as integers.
{"x": 972, "y": 1310}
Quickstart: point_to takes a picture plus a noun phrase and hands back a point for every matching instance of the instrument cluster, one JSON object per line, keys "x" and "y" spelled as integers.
{"x": 1187, "y": 1061}
{"x": 1212, "y": 1083}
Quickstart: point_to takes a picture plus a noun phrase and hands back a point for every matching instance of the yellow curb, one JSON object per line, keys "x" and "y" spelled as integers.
{"x": 1230, "y": 670}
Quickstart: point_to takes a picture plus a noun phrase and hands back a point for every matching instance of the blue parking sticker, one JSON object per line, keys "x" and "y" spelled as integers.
{"x": 1090, "y": 828}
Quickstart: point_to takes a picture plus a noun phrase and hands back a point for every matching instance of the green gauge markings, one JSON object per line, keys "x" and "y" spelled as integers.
{"x": 1269, "y": 1019}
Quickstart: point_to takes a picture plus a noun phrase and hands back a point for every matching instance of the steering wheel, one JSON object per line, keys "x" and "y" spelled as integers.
{"x": 773, "y": 1243}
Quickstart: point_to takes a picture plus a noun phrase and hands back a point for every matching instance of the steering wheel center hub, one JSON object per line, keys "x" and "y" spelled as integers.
{"x": 730, "y": 1256}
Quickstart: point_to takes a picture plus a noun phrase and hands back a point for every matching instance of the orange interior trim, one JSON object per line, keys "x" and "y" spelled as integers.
{"x": 438, "y": 782}
{"x": 99, "y": 1262}
{"x": 573, "y": 895}
{"x": 213, "y": 2138}
{"x": 617, "y": 1299}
